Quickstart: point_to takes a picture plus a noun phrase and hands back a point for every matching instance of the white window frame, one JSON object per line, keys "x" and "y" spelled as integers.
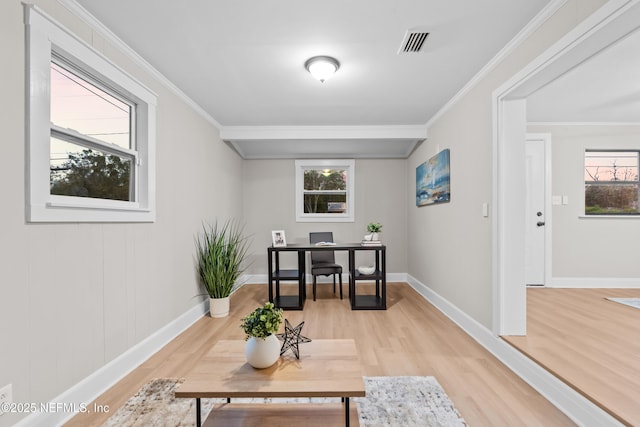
{"x": 611, "y": 183}
{"x": 45, "y": 36}
{"x": 345, "y": 164}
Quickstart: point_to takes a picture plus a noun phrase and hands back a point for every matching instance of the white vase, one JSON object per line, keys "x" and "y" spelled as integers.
{"x": 372, "y": 236}
{"x": 219, "y": 307}
{"x": 262, "y": 353}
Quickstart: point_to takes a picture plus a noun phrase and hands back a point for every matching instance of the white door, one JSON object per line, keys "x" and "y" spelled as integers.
{"x": 535, "y": 212}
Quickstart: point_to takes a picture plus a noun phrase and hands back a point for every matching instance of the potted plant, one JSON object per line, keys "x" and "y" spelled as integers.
{"x": 220, "y": 254}
{"x": 263, "y": 347}
{"x": 374, "y": 228}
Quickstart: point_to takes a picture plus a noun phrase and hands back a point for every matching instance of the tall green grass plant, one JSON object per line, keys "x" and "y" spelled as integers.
{"x": 221, "y": 250}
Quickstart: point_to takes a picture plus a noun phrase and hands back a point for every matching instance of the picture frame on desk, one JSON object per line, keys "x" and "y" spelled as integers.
{"x": 278, "y": 238}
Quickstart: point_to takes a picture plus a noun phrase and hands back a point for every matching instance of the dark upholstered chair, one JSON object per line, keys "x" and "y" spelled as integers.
{"x": 323, "y": 263}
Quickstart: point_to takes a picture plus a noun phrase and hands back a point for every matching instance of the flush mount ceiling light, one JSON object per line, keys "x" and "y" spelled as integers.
{"x": 322, "y": 67}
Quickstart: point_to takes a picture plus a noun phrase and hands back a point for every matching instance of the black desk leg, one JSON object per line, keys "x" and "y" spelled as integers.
{"x": 346, "y": 411}
{"x": 377, "y": 255}
{"x": 198, "y": 416}
{"x": 270, "y": 256}
{"x": 302, "y": 283}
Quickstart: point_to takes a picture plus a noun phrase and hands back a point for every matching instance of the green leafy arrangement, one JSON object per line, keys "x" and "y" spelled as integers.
{"x": 374, "y": 227}
{"x": 262, "y": 322}
{"x": 220, "y": 253}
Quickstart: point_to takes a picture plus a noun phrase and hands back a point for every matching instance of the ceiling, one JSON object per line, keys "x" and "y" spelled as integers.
{"x": 603, "y": 89}
{"x": 243, "y": 61}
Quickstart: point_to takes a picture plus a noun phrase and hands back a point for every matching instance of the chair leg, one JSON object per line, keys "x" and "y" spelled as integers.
{"x": 334, "y": 283}
{"x": 314, "y": 287}
{"x": 340, "y": 277}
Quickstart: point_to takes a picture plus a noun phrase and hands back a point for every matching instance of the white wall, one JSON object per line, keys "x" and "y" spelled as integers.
{"x": 75, "y": 296}
{"x": 380, "y": 195}
{"x": 450, "y": 245}
{"x": 594, "y": 247}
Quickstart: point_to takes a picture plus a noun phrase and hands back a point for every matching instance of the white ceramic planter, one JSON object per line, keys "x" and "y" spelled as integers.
{"x": 219, "y": 307}
{"x": 262, "y": 353}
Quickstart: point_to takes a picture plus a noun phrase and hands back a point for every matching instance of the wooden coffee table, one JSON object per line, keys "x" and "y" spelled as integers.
{"x": 326, "y": 368}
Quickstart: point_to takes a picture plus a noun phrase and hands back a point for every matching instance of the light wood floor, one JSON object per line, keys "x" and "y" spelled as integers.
{"x": 410, "y": 338}
{"x": 589, "y": 342}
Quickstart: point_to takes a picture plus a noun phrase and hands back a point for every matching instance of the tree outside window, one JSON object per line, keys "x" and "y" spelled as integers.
{"x": 611, "y": 182}
{"x": 325, "y": 190}
{"x": 90, "y": 173}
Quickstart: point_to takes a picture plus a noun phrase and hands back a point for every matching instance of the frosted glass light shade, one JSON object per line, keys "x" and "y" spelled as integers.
{"x": 322, "y": 67}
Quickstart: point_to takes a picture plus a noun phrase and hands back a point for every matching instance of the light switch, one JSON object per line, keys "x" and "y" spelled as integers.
{"x": 485, "y": 210}
{"x": 556, "y": 200}
{"x": 565, "y": 200}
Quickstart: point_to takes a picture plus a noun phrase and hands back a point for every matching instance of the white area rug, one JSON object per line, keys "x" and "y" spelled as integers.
{"x": 390, "y": 401}
{"x": 631, "y": 302}
{"x": 406, "y": 401}
{"x": 155, "y": 405}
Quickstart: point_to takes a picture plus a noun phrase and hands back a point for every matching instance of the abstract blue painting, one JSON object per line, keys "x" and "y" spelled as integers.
{"x": 433, "y": 184}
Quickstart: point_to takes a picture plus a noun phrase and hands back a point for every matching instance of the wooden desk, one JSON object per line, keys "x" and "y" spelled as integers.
{"x": 326, "y": 368}
{"x": 358, "y": 301}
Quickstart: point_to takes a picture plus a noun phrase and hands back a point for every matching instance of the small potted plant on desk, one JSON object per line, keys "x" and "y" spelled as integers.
{"x": 263, "y": 347}
{"x": 373, "y": 228}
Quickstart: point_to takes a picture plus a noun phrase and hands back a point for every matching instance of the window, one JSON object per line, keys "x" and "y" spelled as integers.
{"x": 611, "y": 182}
{"x": 324, "y": 190}
{"x": 90, "y": 146}
{"x": 91, "y": 132}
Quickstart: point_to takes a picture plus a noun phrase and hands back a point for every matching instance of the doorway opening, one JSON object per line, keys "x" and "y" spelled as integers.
{"x": 613, "y": 21}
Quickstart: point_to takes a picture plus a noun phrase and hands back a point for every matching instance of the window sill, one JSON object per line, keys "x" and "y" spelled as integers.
{"x": 324, "y": 219}
{"x": 636, "y": 216}
{"x": 60, "y": 212}
{"x": 111, "y": 205}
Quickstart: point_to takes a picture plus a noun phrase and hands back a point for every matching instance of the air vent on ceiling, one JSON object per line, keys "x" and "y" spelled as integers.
{"x": 413, "y": 41}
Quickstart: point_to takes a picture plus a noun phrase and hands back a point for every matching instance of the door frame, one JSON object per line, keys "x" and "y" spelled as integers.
{"x": 548, "y": 205}
{"x": 609, "y": 23}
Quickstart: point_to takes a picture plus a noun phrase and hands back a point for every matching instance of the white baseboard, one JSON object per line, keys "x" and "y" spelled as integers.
{"x": 594, "y": 282}
{"x": 582, "y": 411}
{"x": 98, "y": 382}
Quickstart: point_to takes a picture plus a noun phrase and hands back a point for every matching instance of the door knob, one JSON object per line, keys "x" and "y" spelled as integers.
{"x": 540, "y": 223}
{"x": 539, "y": 214}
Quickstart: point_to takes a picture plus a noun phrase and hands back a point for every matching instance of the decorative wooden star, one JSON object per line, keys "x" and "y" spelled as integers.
{"x": 291, "y": 338}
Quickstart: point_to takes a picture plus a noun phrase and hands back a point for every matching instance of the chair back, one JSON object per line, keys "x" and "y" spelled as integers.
{"x": 321, "y": 256}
